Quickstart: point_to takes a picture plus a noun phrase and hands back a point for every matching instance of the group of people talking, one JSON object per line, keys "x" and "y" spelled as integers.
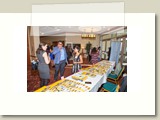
{"x": 58, "y": 55}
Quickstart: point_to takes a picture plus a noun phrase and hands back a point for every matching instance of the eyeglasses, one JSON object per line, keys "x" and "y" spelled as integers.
{"x": 60, "y": 44}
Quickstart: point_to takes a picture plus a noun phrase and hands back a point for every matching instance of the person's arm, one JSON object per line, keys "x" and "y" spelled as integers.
{"x": 98, "y": 52}
{"x": 90, "y": 52}
{"x": 55, "y": 50}
{"x": 65, "y": 53}
{"x": 46, "y": 58}
{"x": 81, "y": 60}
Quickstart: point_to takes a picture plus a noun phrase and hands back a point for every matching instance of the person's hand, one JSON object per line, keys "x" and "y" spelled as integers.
{"x": 62, "y": 78}
{"x": 49, "y": 57}
{"x": 74, "y": 62}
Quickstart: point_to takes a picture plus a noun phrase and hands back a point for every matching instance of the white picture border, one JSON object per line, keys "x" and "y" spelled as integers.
{"x": 139, "y": 100}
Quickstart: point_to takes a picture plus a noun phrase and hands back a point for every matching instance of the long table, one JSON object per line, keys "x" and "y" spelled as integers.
{"x": 96, "y": 82}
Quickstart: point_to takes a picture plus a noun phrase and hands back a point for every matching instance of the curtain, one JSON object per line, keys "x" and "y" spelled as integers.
{"x": 115, "y": 51}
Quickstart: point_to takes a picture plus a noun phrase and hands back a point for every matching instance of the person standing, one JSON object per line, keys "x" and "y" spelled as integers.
{"x": 43, "y": 67}
{"x": 90, "y": 54}
{"x": 94, "y": 56}
{"x": 98, "y": 51}
{"x": 60, "y": 60}
{"x": 77, "y": 60}
{"x": 109, "y": 52}
{"x": 68, "y": 54}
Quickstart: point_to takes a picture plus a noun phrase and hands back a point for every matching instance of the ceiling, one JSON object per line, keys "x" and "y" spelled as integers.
{"x": 61, "y": 30}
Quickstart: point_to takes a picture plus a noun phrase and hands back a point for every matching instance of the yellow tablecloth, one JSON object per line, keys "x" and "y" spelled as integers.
{"x": 49, "y": 86}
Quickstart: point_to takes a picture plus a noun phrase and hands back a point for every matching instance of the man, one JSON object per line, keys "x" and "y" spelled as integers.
{"x": 60, "y": 60}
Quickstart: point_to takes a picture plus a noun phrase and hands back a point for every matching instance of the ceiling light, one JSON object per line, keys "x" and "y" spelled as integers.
{"x": 88, "y": 31}
{"x": 92, "y": 36}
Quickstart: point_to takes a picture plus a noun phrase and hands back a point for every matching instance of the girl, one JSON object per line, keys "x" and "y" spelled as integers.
{"x": 77, "y": 60}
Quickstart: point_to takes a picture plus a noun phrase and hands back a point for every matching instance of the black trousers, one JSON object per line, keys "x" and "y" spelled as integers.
{"x": 43, "y": 82}
{"x": 89, "y": 57}
{"x": 59, "y": 67}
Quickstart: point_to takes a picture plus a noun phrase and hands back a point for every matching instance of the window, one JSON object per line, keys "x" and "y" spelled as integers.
{"x": 103, "y": 49}
{"x": 103, "y": 45}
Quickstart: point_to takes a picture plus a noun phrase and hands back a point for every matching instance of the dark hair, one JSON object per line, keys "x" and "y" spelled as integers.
{"x": 66, "y": 47}
{"x": 48, "y": 47}
{"x": 60, "y": 41}
{"x": 40, "y": 48}
{"x": 99, "y": 48}
{"x": 77, "y": 47}
{"x": 94, "y": 50}
{"x": 51, "y": 47}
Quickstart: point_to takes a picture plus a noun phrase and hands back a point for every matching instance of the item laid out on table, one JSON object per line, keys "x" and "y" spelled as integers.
{"x": 88, "y": 82}
{"x": 88, "y": 74}
{"x": 79, "y": 77}
{"x": 68, "y": 86}
{"x": 97, "y": 69}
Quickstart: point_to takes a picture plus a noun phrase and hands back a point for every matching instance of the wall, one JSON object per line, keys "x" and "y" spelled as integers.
{"x": 78, "y": 39}
{"x": 36, "y": 42}
{"x": 50, "y": 39}
{"x": 72, "y": 39}
{"x": 33, "y": 41}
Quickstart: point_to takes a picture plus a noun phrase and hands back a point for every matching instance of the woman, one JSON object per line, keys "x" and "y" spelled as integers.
{"x": 68, "y": 53}
{"x": 77, "y": 60}
{"x": 98, "y": 51}
{"x": 94, "y": 56}
{"x": 43, "y": 67}
{"x": 109, "y": 52}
